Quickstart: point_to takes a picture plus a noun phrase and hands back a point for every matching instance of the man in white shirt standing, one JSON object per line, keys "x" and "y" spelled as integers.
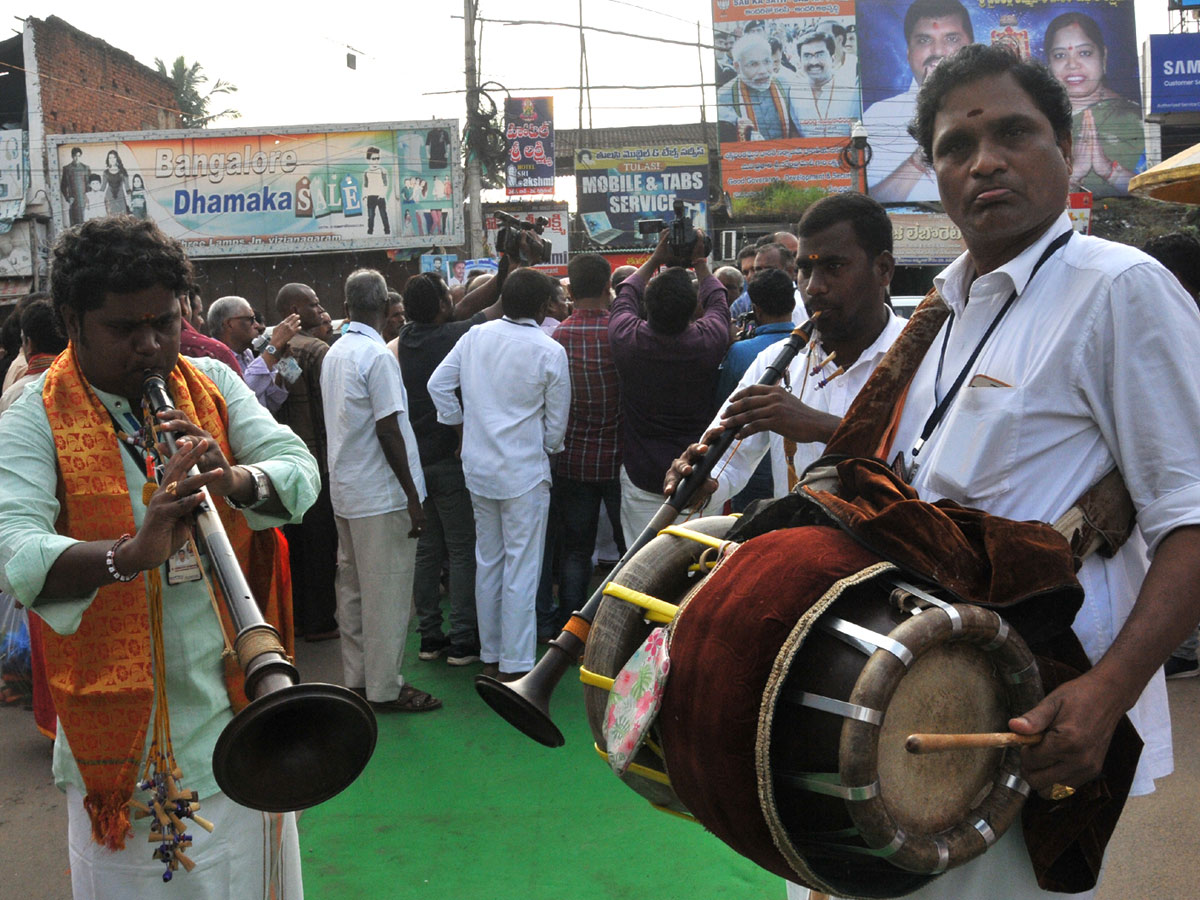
{"x": 845, "y": 267}
{"x": 377, "y": 489}
{"x": 516, "y": 394}
{"x": 1064, "y": 356}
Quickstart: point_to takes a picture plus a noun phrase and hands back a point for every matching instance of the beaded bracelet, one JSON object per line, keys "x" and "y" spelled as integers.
{"x": 110, "y": 560}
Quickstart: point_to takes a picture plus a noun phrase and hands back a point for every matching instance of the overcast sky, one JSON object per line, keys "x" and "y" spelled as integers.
{"x": 289, "y": 63}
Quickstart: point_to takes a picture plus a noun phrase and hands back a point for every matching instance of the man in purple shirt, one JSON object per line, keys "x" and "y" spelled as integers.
{"x": 667, "y": 365}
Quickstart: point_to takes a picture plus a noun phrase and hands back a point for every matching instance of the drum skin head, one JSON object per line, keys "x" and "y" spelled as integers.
{"x": 949, "y": 689}
{"x": 784, "y": 719}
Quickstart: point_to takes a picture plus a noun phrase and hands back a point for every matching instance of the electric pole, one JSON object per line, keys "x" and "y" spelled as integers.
{"x": 474, "y": 175}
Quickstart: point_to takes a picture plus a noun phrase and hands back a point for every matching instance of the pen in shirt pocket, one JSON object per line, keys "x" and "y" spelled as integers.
{"x": 987, "y": 381}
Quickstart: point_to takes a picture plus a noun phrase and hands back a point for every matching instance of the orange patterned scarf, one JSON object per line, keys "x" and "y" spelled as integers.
{"x": 100, "y": 677}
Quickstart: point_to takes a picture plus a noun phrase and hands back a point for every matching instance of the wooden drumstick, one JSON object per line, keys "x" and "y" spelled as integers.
{"x": 937, "y": 743}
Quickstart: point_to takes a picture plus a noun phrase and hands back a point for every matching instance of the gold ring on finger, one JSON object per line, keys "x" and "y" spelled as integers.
{"x": 1061, "y": 792}
{"x": 171, "y": 488}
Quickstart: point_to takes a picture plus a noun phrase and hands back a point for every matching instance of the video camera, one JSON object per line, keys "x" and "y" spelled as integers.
{"x": 508, "y": 239}
{"x": 683, "y": 235}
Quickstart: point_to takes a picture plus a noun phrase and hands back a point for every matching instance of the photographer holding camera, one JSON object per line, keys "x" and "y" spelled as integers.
{"x": 667, "y": 364}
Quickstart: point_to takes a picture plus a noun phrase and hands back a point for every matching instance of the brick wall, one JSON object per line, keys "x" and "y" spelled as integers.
{"x": 88, "y": 85}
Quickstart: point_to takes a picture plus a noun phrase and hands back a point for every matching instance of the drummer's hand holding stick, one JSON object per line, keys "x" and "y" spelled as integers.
{"x": 1078, "y": 717}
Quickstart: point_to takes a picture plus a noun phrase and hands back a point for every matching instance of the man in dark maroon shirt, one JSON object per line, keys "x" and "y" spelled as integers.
{"x": 667, "y": 365}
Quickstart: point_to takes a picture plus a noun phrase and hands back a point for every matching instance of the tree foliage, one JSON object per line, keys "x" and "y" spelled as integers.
{"x": 187, "y": 82}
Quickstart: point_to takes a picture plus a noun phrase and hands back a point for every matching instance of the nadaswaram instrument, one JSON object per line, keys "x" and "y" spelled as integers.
{"x": 295, "y": 745}
{"x": 798, "y": 668}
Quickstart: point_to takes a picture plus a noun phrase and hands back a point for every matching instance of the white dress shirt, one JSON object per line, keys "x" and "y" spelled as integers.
{"x": 516, "y": 392}
{"x": 360, "y": 385}
{"x": 886, "y": 122}
{"x": 735, "y": 468}
{"x": 1097, "y": 366}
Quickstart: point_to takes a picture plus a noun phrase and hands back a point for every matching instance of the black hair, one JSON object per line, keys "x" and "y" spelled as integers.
{"x": 750, "y": 250}
{"x": 590, "y": 275}
{"x": 872, "y": 227}
{"x": 936, "y": 9}
{"x": 41, "y": 327}
{"x": 114, "y": 255}
{"x": 1180, "y": 253}
{"x": 423, "y": 296}
{"x": 76, "y": 151}
{"x": 670, "y": 301}
{"x": 976, "y": 61}
{"x": 772, "y": 292}
{"x": 1085, "y": 22}
{"x": 525, "y": 294}
{"x": 811, "y": 37}
{"x": 371, "y": 150}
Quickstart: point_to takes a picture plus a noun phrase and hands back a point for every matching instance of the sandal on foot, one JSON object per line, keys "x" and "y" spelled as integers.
{"x": 410, "y": 700}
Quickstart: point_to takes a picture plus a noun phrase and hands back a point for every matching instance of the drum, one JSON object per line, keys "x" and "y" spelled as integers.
{"x": 797, "y": 669}
{"x": 667, "y": 568}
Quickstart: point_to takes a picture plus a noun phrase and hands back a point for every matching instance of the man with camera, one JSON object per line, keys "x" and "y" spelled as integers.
{"x": 667, "y": 364}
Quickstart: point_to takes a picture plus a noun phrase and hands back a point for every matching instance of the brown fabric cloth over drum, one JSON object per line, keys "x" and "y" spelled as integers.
{"x": 718, "y": 672}
{"x": 1024, "y": 570}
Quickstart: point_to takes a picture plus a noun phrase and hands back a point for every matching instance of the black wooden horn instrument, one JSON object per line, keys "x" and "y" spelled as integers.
{"x": 295, "y": 745}
{"x": 525, "y": 703}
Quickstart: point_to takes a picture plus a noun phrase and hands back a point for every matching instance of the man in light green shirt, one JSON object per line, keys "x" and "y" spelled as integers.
{"x": 114, "y": 283}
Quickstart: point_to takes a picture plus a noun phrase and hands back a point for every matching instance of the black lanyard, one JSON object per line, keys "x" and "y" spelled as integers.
{"x": 940, "y": 410}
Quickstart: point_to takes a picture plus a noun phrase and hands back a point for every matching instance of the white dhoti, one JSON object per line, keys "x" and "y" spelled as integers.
{"x": 249, "y": 855}
{"x": 1004, "y": 871}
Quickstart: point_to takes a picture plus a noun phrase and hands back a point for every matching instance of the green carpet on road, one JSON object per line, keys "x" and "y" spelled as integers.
{"x": 458, "y": 804}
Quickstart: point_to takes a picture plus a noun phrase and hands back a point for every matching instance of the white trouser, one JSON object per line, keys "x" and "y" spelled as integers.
{"x": 250, "y": 855}
{"x": 510, "y": 536}
{"x": 374, "y": 600}
{"x": 1003, "y": 873}
{"x": 638, "y": 508}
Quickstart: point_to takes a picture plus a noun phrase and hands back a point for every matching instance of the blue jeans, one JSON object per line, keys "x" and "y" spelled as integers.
{"x": 574, "y": 518}
{"x": 449, "y": 533}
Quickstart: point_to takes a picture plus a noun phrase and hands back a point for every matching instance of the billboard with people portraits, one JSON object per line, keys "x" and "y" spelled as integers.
{"x": 618, "y": 187}
{"x": 787, "y": 93}
{"x": 1089, "y": 46}
{"x": 237, "y": 192}
{"x": 790, "y": 85}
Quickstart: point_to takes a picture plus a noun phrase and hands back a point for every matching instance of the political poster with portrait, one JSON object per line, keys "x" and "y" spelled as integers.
{"x": 529, "y": 143}
{"x": 249, "y": 191}
{"x": 787, "y": 94}
{"x": 617, "y": 187}
{"x": 1089, "y": 46}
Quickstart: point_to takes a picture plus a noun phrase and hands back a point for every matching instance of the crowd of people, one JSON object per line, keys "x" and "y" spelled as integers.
{"x": 459, "y": 446}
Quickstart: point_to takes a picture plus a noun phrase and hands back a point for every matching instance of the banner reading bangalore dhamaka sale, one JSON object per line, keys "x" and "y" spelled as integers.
{"x": 249, "y": 191}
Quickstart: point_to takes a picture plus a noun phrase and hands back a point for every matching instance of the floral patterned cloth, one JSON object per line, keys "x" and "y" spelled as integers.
{"x": 634, "y": 700}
